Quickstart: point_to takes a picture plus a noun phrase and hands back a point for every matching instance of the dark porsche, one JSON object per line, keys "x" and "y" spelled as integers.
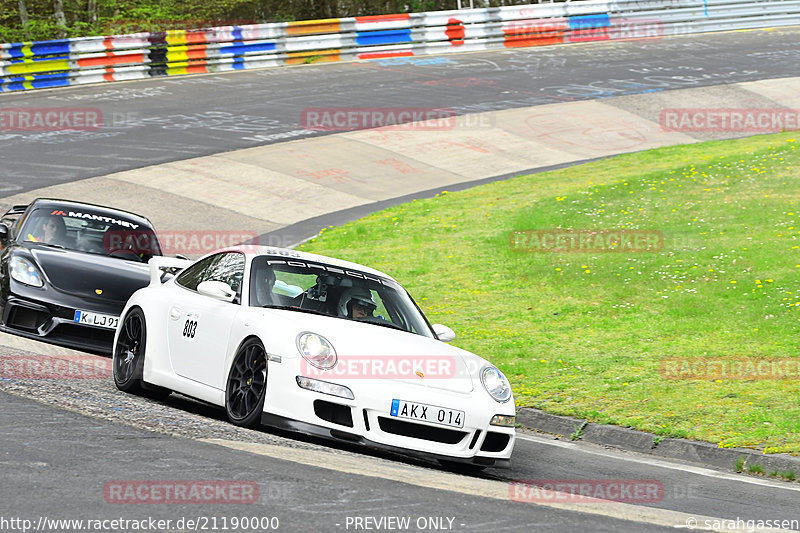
{"x": 67, "y": 269}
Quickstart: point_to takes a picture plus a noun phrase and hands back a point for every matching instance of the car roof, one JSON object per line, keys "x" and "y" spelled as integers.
{"x": 290, "y": 254}
{"x": 99, "y": 209}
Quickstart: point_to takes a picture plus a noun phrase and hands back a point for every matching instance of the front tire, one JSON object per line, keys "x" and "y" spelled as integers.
{"x": 128, "y": 357}
{"x": 247, "y": 385}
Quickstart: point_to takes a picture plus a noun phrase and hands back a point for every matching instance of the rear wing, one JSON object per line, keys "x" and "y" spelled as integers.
{"x": 16, "y": 210}
{"x": 12, "y": 215}
{"x": 163, "y": 268}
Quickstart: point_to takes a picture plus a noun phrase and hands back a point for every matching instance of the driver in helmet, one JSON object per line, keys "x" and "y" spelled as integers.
{"x": 357, "y": 303}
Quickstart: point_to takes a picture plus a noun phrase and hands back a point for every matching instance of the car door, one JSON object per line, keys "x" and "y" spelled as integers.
{"x": 199, "y": 325}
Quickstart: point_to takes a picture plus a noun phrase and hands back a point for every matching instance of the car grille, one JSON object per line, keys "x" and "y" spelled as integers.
{"x": 83, "y": 335}
{"x": 333, "y": 412}
{"x": 495, "y": 442}
{"x": 474, "y": 440}
{"x": 420, "y": 431}
{"x": 26, "y": 319}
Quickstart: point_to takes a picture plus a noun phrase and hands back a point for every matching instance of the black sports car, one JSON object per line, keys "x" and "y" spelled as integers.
{"x": 67, "y": 269}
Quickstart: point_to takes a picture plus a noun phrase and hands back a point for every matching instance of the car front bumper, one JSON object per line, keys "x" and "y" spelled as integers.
{"x": 48, "y": 315}
{"x": 367, "y": 420}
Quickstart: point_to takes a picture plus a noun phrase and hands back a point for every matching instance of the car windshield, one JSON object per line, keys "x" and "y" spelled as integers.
{"x": 84, "y": 230}
{"x": 318, "y": 288}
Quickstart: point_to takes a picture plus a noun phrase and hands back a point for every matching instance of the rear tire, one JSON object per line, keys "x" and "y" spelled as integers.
{"x": 247, "y": 385}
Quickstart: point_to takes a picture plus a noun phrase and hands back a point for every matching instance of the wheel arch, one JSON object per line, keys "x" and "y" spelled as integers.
{"x": 232, "y": 353}
{"x": 155, "y": 312}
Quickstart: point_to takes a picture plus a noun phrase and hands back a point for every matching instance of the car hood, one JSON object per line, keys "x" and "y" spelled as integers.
{"x": 369, "y": 351}
{"x": 83, "y": 274}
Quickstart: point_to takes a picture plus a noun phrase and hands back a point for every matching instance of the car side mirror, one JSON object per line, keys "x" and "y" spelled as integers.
{"x": 217, "y": 289}
{"x": 3, "y": 233}
{"x": 443, "y": 333}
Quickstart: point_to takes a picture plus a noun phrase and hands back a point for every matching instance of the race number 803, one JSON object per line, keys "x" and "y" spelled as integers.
{"x": 190, "y": 328}
{"x": 254, "y": 523}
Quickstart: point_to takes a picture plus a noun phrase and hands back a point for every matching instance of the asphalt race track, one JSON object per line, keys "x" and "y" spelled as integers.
{"x": 64, "y": 441}
{"x": 154, "y": 121}
{"x": 129, "y": 438}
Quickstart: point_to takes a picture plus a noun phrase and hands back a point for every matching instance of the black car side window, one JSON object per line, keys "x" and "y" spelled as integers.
{"x": 192, "y": 276}
{"x": 229, "y": 268}
{"x": 226, "y": 267}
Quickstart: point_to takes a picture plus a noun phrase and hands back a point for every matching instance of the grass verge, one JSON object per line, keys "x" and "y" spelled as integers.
{"x": 589, "y": 334}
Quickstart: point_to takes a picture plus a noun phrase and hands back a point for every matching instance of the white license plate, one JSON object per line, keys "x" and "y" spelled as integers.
{"x": 427, "y": 413}
{"x": 96, "y": 319}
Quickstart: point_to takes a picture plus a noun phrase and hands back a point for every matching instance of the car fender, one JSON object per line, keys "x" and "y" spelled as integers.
{"x": 151, "y": 301}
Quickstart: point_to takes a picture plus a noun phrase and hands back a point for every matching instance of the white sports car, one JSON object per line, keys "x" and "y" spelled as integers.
{"x": 312, "y": 344}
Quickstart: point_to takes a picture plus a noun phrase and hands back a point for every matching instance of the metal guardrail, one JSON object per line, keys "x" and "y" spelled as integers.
{"x": 65, "y": 62}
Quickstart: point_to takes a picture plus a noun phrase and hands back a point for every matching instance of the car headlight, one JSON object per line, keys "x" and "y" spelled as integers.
{"x": 496, "y": 384}
{"x": 317, "y": 350}
{"x": 324, "y": 387}
{"x": 503, "y": 420}
{"x": 23, "y": 271}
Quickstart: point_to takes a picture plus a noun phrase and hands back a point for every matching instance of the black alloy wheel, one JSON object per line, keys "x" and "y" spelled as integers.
{"x": 247, "y": 384}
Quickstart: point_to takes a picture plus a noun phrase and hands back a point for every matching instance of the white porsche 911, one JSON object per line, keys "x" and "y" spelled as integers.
{"x": 312, "y": 344}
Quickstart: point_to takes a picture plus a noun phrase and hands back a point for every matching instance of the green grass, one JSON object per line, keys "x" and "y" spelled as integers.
{"x": 584, "y": 334}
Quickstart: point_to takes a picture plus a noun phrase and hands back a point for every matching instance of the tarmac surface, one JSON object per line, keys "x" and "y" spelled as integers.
{"x": 231, "y": 152}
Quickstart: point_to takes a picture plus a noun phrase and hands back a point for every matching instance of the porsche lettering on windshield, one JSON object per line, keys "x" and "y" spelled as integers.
{"x": 332, "y": 269}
